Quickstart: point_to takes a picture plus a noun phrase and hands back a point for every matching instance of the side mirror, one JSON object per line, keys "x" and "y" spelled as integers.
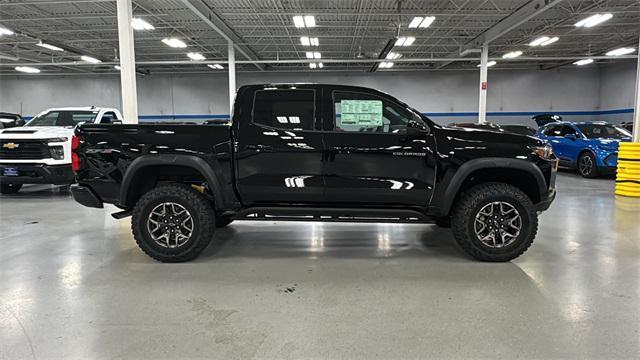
{"x": 571, "y": 137}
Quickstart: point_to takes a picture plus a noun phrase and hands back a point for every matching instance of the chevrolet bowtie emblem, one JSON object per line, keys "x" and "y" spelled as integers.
{"x": 10, "y": 146}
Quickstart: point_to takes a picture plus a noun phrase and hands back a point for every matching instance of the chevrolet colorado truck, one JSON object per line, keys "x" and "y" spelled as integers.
{"x": 312, "y": 152}
{"x": 40, "y": 151}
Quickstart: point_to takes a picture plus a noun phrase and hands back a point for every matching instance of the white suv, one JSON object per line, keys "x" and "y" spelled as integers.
{"x": 40, "y": 151}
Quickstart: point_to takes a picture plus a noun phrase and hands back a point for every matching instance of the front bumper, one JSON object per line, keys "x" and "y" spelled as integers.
{"x": 85, "y": 196}
{"x": 546, "y": 201}
{"x": 38, "y": 174}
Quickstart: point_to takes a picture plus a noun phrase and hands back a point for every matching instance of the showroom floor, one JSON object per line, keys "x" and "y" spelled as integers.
{"x": 73, "y": 284}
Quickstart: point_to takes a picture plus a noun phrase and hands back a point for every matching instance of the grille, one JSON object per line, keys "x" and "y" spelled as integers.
{"x": 26, "y": 150}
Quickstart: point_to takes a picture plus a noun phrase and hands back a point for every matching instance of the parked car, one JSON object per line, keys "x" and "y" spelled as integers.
{"x": 516, "y": 129}
{"x": 317, "y": 153}
{"x": 544, "y": 119}
{"x": 627, "y": 126}
{"x": 40, "y": 151}
{"x": 589, "y": 147}
{"x": 9, "y": 120}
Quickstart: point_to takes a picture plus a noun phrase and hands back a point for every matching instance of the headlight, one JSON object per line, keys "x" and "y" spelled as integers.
{"x": 57, "y": 140}
{"x": 57, "y": 152}
{"x": 544, "y": 152}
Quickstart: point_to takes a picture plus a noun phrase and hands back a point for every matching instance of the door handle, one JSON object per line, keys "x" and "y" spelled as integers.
{"x": 259, "y": 147}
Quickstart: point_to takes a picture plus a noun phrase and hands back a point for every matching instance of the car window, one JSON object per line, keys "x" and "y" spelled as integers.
{"x": 361, "y": 112}
{"x": 285, "y": 109}
{"x": 594, "y": 131}
{"x": 63, "y": 118}
{"x": 553, "y": 130}
{"x": 567, "y": 130}
{"x": 108, "y": 118}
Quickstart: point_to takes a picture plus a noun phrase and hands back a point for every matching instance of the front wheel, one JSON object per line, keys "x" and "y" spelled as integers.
{"x": 587, "y": 165}
{"x": 494, "y": 222}
{"x": 9, "y": 188}
{"x": 173, "y": 223}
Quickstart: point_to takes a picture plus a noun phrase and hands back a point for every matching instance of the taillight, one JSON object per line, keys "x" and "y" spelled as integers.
{"x": 76, "y": 162}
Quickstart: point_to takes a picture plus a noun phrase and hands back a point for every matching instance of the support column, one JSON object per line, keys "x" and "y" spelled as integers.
{"x": 482, "y": 107}
{"x": 127, "y": 63}
{"x": 232, "y": 76}
{"x": 636, "y": 109}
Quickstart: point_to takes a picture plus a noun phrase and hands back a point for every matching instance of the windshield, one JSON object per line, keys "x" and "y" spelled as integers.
{"x": 63, "y": 118}
{"x": 606, "y": 131}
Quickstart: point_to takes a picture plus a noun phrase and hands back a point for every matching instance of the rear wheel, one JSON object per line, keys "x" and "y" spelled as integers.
{"x": 587, "y": 165}
{"x": 9, "y": 188}
{"x": 173, "y": 223}
{"x": 494, "y": 222}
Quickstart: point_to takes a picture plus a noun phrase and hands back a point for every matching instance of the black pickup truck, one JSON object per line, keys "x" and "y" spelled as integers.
{"x": 315, "y": 152}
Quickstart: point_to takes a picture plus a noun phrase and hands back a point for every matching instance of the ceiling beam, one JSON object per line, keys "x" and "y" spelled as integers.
{"x": 206, "y": 14}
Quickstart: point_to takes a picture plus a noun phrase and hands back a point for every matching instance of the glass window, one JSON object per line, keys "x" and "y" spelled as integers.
{"x": 108, "y": 118}
{"x": 63, "y": 118}
{"x": 361, "y": 112}
{"x": 594, "y": 131}
{"x": 567, "y": 130}
{"x": 285, "y": 109}
{"x": 553, "y": 130}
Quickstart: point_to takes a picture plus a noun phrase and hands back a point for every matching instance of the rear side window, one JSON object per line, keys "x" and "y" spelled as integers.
{"x": 285, "y": 109}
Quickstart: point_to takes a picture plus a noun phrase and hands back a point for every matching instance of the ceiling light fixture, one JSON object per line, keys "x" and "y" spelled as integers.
{"x": 421, "y": 22}
{"x": 5, "y": 31}
{"x": 316, "y": 66}
{"x": 140, "y": 24}
{"x": 594, "y": 20}
{"x": 304, "y": 21}
{"x": 195, "y": 56}
{"x": 117, "y": 67}
{"x": 49, "y": 46}
{"x": 215, "y": 66}
{"x": 583, "y": 62}
{"x": 90, "y": 59}
{"x": 621, "y": 51}
{"x": 174, "y": 42}
{"x": 489, "y": 64}
{"x": 405, "y": 41}
{"x": 512, "y": 54}
{"x": 307, "y": 41}
{"x": 27, "y": 69}
{"x": 544, "y": 41}
{"x": 313, "y": 55}
{"x": 386, "y": 65}
{"x": 393, "y": 56}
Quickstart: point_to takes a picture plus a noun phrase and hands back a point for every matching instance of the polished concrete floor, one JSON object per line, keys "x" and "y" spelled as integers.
{"x": 73, "y": 284}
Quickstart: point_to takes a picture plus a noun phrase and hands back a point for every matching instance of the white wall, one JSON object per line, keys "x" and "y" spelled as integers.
{"x": 617, "y": 89}
{"x": 564, "y": 89}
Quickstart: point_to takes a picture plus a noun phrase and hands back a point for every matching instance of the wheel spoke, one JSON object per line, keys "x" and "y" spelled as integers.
{"x": 498, "y": 224}
{"x": 170, "y": 225}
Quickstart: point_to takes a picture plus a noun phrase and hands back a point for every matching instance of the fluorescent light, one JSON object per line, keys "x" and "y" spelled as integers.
{"x": 385, "y": 65}
{"x": 312, "y": 65}
{"x": 422, "y": 22}
{"x": 550, "y": 41}
{"x": 594, "y": 20}
{"x": 215, "y": 66}
{"x": 315, "y": 41}
{"x": 320, "y": 65}
{"x": 90, "y": 59}
{"x": 27, "y": 69}
{"x": 405, "y": 41}
{"x": 512, "y": 55}
{"x": 174, "y": 42}
{"x": 196, "y": 56}
{"x": 49, "y": 46}
{"x": 415, "y": 22}
{"x": 489, "y": 64}
{"x": 139, "y": 24}
{"x": 5, "y": 31}
{"x": 583, "y": 62}
{"x": 621, "y": 51}
{"x": 117, "y": 67}
{"x": 539, "y": 41}
{"x": 307, "y": 41}
{"x": 313, "y": 55}
{"x": 393, "y": 56}
{"x": 304, "y": 21}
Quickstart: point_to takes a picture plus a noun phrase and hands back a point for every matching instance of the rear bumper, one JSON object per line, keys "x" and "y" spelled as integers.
{"x": 85, "y": 196}
{"x": 38, "y": 174}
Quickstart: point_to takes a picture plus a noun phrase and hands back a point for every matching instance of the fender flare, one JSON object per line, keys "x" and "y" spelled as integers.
{"x": 190, "y": 161}
{"x": 470, "y": 166}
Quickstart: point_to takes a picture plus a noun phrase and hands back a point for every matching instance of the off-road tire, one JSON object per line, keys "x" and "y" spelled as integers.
{"x": 222, "y": 221}
{"x": 472, "y": 201}
{"x": 594, "y": 167}
{"x": 9, "y": 188}
{"x": 198, "y": 206}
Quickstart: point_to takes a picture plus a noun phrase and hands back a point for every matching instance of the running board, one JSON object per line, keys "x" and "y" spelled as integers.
{"x": 121, "y": 214}
{"x": 334, "y": 215}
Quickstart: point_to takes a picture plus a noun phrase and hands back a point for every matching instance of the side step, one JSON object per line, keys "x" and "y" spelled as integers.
{"x": 334, "y": 214}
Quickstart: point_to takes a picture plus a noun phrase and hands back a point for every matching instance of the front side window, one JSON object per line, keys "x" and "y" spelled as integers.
{"x": 285, "y": 109}
{"x": 606, "y": 131}
{"x": 63, "y": 118}
{"x": 361, "y": 112}
{"x": 553, "y": 130}
{"x": 567, "y": 130}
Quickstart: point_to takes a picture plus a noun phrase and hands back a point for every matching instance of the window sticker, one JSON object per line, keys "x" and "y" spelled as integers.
{"x": 361, "y": 112}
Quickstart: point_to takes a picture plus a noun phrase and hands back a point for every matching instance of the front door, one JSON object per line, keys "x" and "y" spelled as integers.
{"x": 371, "y": 159}
{"x": 279, "y": 149}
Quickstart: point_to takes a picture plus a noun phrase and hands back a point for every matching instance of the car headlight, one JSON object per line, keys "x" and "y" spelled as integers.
{"x": 544, "y": 152}
{"x": 57, "y": 152}
{"x": 57, "y": 140}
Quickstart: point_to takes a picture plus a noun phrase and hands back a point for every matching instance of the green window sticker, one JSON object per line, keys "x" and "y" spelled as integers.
{"x": 361, "y": 112}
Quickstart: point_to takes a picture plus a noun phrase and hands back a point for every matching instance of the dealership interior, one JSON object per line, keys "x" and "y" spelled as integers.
{"x": 91, "y": 89}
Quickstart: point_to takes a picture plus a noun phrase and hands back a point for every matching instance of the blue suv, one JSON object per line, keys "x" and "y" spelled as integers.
{"x": 590, "y": 147}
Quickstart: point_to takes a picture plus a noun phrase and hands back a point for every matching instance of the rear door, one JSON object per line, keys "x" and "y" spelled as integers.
{"x": 279, "y": 146}
{"x": 370, "y": 158}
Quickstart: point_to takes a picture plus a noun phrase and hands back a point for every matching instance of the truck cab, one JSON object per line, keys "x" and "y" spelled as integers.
{"x": 40, "y": 151}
